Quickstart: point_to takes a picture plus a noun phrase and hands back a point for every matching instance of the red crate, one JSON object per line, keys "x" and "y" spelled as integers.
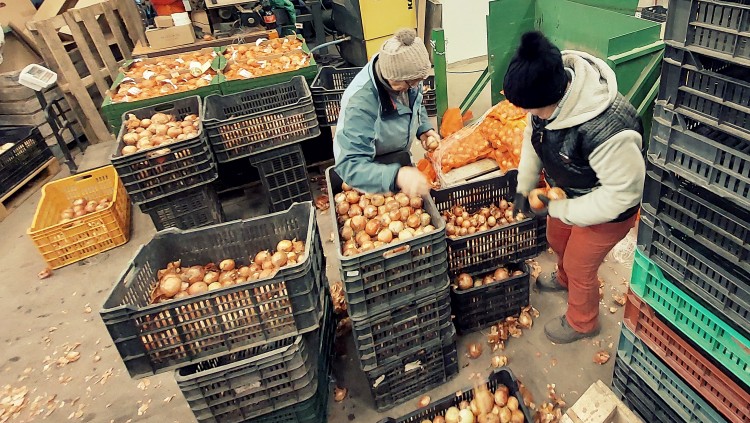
{"x": 730, "y": 399}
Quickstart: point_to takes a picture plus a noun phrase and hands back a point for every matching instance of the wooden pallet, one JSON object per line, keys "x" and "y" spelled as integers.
{"x": 599, "y": 405}
{"x": 103, "y": 34}
{"x": 21, "y": 192}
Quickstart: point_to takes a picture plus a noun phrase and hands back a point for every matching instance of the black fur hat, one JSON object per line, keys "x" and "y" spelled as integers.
{"x": 536, "y": 76}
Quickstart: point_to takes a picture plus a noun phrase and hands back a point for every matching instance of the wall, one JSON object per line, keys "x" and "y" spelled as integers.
{"x": 464, "y": 22}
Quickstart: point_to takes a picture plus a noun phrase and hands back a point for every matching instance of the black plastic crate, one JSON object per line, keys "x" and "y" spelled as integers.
{"x": 501, "y": 376}
{"x": 381, "y": 338}
{"x": 706, "y": 89}
{"x": 312, "y": 410}
{"x": 191, "y": 209}
{"x": 712, "y": 221}
{"x": 28, "y": 153}
{"x": 158, "y": 172}
{"x": 240, "y": 125}
{"x": 639, "y": 397}
{"x": 155, "y": 338}
{"x": 685, "y": 262}
{"x": 263, "y": 379}
{"x": 654, "y": 13}
{"x": 402, "y": 271}
{"x": 283, "y": 173}
{"x": 644, "y": 366}
{"x": 483, "y": 306}
{"x": 717, "y": 27}
{"x": 485, "y": 251}
{"x": 415, "y": 372}
{"x": 327, "y": 90}
{"x": 706, "y": 156}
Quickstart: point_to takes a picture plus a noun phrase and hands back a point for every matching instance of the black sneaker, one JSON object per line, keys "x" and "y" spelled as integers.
{"x": 549, "y": 282}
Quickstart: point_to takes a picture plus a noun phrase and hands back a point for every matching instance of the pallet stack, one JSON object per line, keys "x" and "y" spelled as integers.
{"x": 683, "y": 354}
{"x": 398, "y": 299}
{"x": 254, "y": 351}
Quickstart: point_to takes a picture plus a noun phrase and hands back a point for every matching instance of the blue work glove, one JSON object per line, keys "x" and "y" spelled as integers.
{"x": 521, "y": 204}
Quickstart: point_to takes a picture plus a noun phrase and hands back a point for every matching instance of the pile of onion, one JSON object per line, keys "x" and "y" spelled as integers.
{"x": 160, "y": 129}
{"x": 81, "y": 207}
{"x": 459, "y": 222}
{"x": 369, "y": 221}
{"x": 464, "y": 281}
{"x": 176, "y": 281}
{"x": 485, "y": 407}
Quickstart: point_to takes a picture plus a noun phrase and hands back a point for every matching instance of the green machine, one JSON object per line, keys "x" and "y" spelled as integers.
{"x": 631, "y": 46}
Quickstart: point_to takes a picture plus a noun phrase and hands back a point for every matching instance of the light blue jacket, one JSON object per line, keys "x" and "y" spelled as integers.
{"x": 373, "y": 124}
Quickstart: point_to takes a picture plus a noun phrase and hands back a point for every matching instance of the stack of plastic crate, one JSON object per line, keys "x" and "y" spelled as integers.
{"x": 256, "y": 351}
{"x": 683, "y": 354}
{"x": 399, "y": 303}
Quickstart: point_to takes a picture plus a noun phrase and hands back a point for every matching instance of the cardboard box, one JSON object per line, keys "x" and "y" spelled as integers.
{"x": 170, "y": 37}
{"x": 163, "y": 22}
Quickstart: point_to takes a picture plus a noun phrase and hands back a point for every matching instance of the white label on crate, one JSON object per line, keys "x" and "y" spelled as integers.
{"x": 206, "y": 66}
{"x": 207, "y": 77}
{"x": 245, "y": 74}
{"x": 303, "y": 60}
{"x": 134, "y": 90}
{"x": 260, "y": 40}
{"x": 262, "y": 64}
{"x": 378, "y": 381}
{"x": 255, "y": 384}
{"x": 352, "y": 273}
{"x": 298, "y": 26}
{"x": 412, "y": 366}
{"x": 147, "y": 74}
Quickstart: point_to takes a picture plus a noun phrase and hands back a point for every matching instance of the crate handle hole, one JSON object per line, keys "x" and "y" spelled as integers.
{"x": 397, "y": 251}
{"x": 163, "y": 107}
{"x": 83, "y": 177}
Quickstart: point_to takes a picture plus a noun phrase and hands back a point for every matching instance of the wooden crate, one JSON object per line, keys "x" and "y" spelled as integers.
{"x": 19, "y": 106}
{"x": 103, "y": 34}
{"x": 599, "y": 405}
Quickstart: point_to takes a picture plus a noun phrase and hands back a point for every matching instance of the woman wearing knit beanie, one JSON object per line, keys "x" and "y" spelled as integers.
{"x": 586, "y": 139}
{"x": 382, "y": 113}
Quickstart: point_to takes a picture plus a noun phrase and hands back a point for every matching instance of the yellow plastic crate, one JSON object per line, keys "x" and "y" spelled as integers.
{"x": 64, "y": 243}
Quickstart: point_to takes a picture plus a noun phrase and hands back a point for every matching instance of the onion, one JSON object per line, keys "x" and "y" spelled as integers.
{"x": 215, "y": 285}
{"x": 170, "y": 285}
{"x": 499, "y": 361}
{"x": 460, "y": 221}
{"x": 370, "y": 211}
{"x": 245, "y": 272}
{"x": 372, "y": 227}
{"x": 352, "y": 197}
{"x": 500, "y": 274}
{"x": 474, "y": 350}
{"x": 413, "y": 221}
{"x": 261, "y": 257}
{"x": 438, "y": 419}
{"x": 211, "y": 277}
{"x": 534, "y": 201}
{"x": 382, "y": 210}
{"x": 423, "y": 401}
{"x": 517, "y": 273}
{"x": 350, "y": 252}
{"x": 129, "y": 149}
{"x": 416, "y": 202}
{"x": 361, "y": 238}
{"x": 358, "y": 224}
{"x": 367, "y": 246}
{"x": 424, "y": 219}
{"x": 195, "y": 274}
{"x": 405, "y": 234}
{"x": 267, "y": 265}
{"x": 392, "y": 205}
{"x": 377, "y": 200}
{"x": 465, "y": 416}
{"x": 197, "y": 288}
{"x": 428, "y": 228}
{"x": 463, "y": 232}
{"x": 556, "y": 193}
{"x": 284, "y": 246}
{"x": 345, "y": 186}
{"x": 451, "y": 416}
{"x": 501, "y": 397}
{"x": 339, "y": 198}
{"x": 512, "y": 403}
{"x": 160, "y": 118}
{"x": 363, "y": 201}
{"x": 226, "y": 265}
{"x": 267, "y": 273}
{"x": 404, "y": 213}
{"x": 292, "y": 257}
{"x": 130, "y": 138}
{"x": 402, "y": 199}
{"x": 450, "y": 229}
{"x": 396, "y": 226}
{"x": 299, "y": 246}
{"x": 229, "y": 275}
{"x": 385, "y": 220}
{"x": 342, "y": 209}
{"x": 517, "y": 416}
{"x": 505, "y": 415}
{"x": 488, "y": 280}
{"x": 464, "y": 281}
{"x": 386, "y": 235}
{"x": 491, "y": 221}
{"x": 477, "y": 283}
{"x": 458, "y": 210}
{"x": 181, "y": 294}
{"x": 394, "y": 215}
{"x": 279, "y": 259}
{"x": 355, "y": 210}
{"x": 484, "y": 400}
{"x": 503, "y": 204}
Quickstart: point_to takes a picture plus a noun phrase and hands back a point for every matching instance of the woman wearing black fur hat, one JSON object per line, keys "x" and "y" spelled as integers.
{"x": 587, "y": 140}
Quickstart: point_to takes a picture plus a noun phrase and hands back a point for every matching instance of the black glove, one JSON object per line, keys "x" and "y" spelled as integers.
{"x": 521, "y": 204}
{"x": 542, "y": 212}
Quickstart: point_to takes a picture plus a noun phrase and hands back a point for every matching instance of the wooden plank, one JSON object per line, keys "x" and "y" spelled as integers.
{"x": 133, "y": 22}
{"x": 116, "y": 27}
{"x": 83, "y": 44}
{"x": 100, "y": 42}
{"x": 11, "y": 200}
{"x": 97, "y": 130}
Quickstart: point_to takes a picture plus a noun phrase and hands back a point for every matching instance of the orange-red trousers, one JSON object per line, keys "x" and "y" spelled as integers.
{"x": 580, "y": 251}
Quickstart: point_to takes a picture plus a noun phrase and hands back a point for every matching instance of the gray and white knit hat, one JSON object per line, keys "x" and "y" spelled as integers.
{"x": 404, "y": 57}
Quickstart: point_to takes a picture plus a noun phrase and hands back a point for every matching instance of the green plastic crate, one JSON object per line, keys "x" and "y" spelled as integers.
{"x": 113, "y": 111}
{"x": 717, "y": 338}
{"x": 238, "y": 85}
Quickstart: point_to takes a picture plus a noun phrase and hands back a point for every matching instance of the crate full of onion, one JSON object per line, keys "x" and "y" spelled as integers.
{"x": 483, "y": 228}
{"x": 391, "y": 247}
{"x": 191, "y": 295}
{"x": 163, "y": 150}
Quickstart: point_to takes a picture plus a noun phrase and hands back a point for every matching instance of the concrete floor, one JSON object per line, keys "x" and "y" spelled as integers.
{"x": 46, "y": 318}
